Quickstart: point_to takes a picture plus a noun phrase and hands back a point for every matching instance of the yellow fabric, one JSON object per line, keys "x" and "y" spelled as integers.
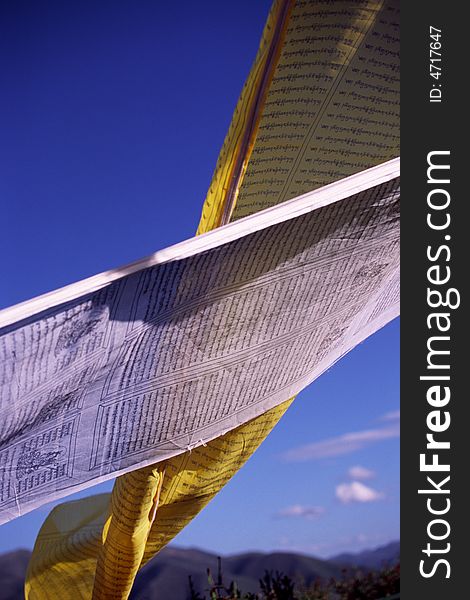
{"x": 63, "y": 562}
{"x": 76, "y": 554}
{"x": 134, "y": 504}
{"x": 103, "y": 553}
{"x": 238, "y": 143}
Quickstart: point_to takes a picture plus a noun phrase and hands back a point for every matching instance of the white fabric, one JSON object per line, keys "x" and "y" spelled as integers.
{"x": 144, "y": 362}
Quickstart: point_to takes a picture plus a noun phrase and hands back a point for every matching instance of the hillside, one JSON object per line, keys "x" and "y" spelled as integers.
{"x": 166, "y": 576}
{"x": 171, "y": 570}
{"x": 12, "y": 570}
{"x": 372, "y": 559}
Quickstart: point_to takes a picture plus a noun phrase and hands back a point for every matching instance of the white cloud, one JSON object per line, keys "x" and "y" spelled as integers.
{"x": 297, "y": 510}
{"x": 343, "y": 444}
{"x": 359, "y": 472}
{"x": 393, "y": 415}
{"x": 356, "y": 492}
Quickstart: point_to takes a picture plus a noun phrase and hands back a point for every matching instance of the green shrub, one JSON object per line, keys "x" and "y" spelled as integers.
{"x": 354, "y": 585}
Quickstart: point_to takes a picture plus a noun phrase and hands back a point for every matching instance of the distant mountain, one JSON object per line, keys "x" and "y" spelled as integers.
{"x": 166, "y": 576}
{"x": 372, "y": 559}
{"x": 12, "y": 572}
{"x": 170, "y": 571}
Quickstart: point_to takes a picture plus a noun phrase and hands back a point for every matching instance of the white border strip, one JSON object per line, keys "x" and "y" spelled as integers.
{"x": 334, "y": 192}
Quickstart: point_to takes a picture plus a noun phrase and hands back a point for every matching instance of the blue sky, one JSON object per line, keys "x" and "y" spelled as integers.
{"x": 112, "y": 117}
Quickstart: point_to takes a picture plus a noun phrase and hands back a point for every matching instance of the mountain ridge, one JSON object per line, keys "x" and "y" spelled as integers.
{"x": 167, "y": 575}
